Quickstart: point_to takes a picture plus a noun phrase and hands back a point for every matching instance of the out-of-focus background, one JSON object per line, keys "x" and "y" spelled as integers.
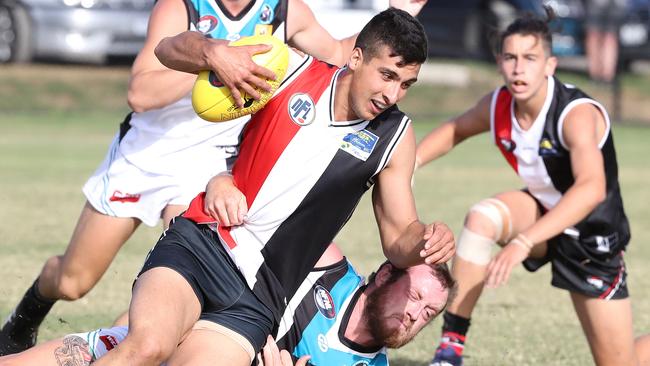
{"x": 63, "y": 81}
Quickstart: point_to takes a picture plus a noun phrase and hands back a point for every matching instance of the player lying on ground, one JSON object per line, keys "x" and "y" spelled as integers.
{"x": 570, "y": 212}
{"x": 338, "y": 320}
{"x": 163, "y": 153}
{"x": 306, "y": 159}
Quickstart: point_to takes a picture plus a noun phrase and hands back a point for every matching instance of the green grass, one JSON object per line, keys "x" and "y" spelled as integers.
{"x": 55, "y": 131}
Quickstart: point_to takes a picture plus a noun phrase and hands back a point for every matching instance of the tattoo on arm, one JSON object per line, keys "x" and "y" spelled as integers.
{"x": 73, "y": 352}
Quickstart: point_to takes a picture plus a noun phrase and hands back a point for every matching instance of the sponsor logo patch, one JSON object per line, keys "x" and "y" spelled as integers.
{"x": 124, "y": 197}
{"x": 361, "y": 363}
{"x": 301, "y": 109}
{"x": 359, "y": 144}
{"x": 324, "y": 302}
{"x": 263, "y": 29}
{"x": 266, "y": 15}
{"x": 109, "y": 341}
{"x": 322, "y": 343}
{"x": 207, "y": 24}
{"x": 596, "y": 282}
{"x": 547, "y": 147}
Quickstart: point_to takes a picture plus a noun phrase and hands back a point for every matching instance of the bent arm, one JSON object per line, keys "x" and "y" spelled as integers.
{"x": 152, "y": 85}
{"x": 406, "y": 241}
{"x": 589, "y": 188}
{"x": 449, "y": 134}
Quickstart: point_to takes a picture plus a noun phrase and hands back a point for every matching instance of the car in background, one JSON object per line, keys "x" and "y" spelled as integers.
{"x": 72, "y": 30}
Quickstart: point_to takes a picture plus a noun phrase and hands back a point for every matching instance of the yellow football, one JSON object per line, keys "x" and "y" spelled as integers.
{"x": 212, "y": 100}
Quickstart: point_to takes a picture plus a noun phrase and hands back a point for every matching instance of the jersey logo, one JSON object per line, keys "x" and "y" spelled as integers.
{"x": 266, "y": 15}
{"x": 207, "y": 24}
{"x": 124, "y": 197}
{"x": 324, "y": 302}
{"x": 109, "y": 341}
{"x": 263, "y": 29}
{"x": 361, "y": 363}
{"x": 508, "y": 144}
{"x": 596, "y": 282}
{"x": 301, "y": 109}
{"x": 547, "y": 148}
{"x": 322, "y": 343}
{"x": 359, "y": 144}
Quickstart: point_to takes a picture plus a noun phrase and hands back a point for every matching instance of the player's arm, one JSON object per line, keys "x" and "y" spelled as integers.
{"x": 405, "y": 240}
{"x": 449, "y": 134}
{"x": 192, "y": 52}
{"x": 153, "y": 85}
{"x": 581, "y": 135}
{"x": 305, "y": 33}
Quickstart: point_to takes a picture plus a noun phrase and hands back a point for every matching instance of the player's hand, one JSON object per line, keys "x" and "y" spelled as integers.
{"x": 501, "y": 265}
{"x": 236, "y": 70}
{"x": 439, "y": 244}
{"x": 272, "y": 356}
{"x": 412, "y": 7}
{"x": 224, "y": 201}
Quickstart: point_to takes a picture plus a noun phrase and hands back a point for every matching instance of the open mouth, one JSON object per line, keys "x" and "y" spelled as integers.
{"x": 378, "y": 107}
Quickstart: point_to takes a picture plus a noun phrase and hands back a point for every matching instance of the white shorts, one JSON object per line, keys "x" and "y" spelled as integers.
{"x": 120, "y": 189}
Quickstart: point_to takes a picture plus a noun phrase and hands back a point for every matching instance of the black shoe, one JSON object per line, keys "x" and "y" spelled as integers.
{"x": 14, "y": 340}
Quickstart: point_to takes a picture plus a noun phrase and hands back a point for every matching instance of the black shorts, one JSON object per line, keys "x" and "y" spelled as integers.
{"x": 195, "y": 252}
{"x": 592, "y": 266}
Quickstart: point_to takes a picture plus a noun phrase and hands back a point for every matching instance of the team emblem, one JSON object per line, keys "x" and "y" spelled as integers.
{"x": 508, "y": 144}
{"x": 266, "y": 15}
{"x": 322, "y": 343}
{"x": 118, "y": 196}
{"x": 301, "y": 109}
{"x": 547, "y": 147}
{"x": 207, "y": 24}
{"x": 359, "y": 144}
{"x": 324, "y": 302}
{"x": 597, "y": 282}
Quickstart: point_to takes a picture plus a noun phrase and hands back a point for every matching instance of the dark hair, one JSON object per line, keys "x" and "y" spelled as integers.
{"x": 398, "y": 30}
{"x": 440, "y": 272}
{"x": 530, "y": 25}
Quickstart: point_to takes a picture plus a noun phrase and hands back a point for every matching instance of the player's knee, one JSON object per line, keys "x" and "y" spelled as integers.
{"x": 149, "y": 349}
{"x": 72, "y": 288}
{"x": 491, "y": 218}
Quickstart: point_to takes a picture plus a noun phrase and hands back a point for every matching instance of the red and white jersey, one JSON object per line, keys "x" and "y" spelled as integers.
{"x": 303, "y": 174}
{"x": 542, "y": 159}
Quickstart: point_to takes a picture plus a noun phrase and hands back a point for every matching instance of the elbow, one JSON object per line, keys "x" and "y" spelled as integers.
{"x": 135, "y": 101}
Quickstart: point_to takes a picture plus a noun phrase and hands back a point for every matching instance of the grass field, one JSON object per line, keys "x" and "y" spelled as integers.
{"x": 54, "y": 131}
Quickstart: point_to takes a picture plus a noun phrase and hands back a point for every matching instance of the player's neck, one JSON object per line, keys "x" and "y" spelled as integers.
{"x": 342, "y": 105}
{"x": 235, "y": 7}
{"x": 357, "y": 329}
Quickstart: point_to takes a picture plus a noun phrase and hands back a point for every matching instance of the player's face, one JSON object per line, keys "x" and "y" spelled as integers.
{"x": 525, "y": 65}
{"x": 398, "y": 311}
{"x": 378, "y": 82}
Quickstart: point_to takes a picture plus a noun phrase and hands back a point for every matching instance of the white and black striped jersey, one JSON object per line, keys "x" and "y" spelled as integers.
{"x": 303, "y": 174}
{"x": 540, "y": 156}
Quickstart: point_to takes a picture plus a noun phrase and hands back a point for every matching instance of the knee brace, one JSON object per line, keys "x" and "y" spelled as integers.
{"x": 477, "y": 248}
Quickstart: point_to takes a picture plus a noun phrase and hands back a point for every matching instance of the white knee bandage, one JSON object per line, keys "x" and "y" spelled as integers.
{"x": 474, "y": 247}
{"x": 499, "y": 214}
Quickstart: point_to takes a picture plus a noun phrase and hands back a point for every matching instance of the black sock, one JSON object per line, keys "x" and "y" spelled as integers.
{"x": 455, "y": 323}
{"x": 29, "y": 314}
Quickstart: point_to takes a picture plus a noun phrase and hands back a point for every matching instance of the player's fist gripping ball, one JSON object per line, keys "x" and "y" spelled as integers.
{"x": 212, "y": 100}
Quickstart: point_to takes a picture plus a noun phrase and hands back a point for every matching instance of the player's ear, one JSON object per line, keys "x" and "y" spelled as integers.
{"x": 383, "y": 274}
{"x": 356, "y": 58}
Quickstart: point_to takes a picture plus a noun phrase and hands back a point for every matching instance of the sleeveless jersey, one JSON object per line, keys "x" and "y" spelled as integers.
{"x": 315, "y": 320}
{"x": 540, "y": 157}
{"x": 303, "y": 174}
{"x": 164, "y": 140}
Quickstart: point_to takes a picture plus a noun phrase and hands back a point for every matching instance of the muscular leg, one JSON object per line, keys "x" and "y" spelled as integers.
{"x": 96, "y": 240}
{"x": 94, "y": 243}
{"x": 607, "y": 324}
{"x": 206, "y": 347}
{"x": 471, "y": 276}
{"x": 163, "y": 309}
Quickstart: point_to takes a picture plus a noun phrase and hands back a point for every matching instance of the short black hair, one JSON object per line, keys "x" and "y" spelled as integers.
{"x": 530, "y": 25}
{"x": 398, "y": 30}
